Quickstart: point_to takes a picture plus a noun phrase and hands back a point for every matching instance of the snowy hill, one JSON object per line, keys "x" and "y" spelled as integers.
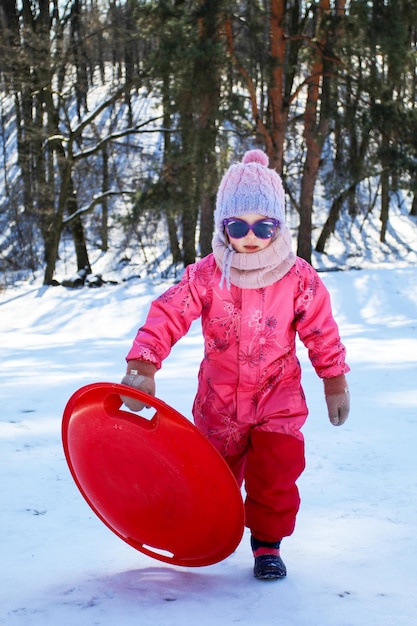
{"x": 351, "y": 560}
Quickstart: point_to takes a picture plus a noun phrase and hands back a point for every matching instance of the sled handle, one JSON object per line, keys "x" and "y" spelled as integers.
{"x": 113, "y": 402}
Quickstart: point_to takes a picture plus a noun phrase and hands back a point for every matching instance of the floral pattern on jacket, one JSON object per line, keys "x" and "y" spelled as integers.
{"x": 250, "y": 374}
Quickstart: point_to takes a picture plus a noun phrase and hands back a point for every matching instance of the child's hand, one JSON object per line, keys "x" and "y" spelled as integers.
{"x": 337, "y": 399}
{"x": 338, "y": 408}
{"x": 140, "y": 375}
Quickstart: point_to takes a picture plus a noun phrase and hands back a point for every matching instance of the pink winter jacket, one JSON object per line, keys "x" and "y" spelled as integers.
{"x": 250, "y": 374}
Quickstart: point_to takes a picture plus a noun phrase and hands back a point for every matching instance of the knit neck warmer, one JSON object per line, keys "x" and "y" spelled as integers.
{"x": 257, "y": 269}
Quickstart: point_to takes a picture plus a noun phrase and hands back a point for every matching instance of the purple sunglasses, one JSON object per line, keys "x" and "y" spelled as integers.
{"x": 263, "y": 229}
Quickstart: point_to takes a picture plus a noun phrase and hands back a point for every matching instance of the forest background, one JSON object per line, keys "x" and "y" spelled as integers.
{"x": 118, "y": 118}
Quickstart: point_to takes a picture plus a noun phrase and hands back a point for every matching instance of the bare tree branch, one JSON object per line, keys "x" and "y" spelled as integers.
{"x": 96, "y": 200}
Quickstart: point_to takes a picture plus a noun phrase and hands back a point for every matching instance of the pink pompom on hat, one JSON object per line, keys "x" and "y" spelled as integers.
{"x": 250, "y": 187}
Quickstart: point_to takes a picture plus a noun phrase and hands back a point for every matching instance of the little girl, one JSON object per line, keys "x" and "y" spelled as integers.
{"x": 253, "y": 296}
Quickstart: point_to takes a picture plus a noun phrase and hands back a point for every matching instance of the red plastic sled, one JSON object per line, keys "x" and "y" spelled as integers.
{"x": 157, "y": 483}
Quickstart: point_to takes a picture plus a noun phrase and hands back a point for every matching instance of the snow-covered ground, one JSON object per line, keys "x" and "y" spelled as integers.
{"x": 352, "y": 559}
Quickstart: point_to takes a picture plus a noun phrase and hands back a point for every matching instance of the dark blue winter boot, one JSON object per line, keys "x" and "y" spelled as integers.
{"x": 268, "y": 563}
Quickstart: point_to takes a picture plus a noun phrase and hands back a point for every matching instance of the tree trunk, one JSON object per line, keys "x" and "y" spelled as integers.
{"x": 186, "y": 174}
{"x": 315, "y": 130}
{"x": 173, "y": 240}
{"x": 270, "y": 125}
{"x": 77, "y": 231}
{"x": 384, "y": 215}
{"x": 207, "y": 99}
{"x": 277, "y": 104}
{"x": 56, "y": 225}
{"x": 334, "y": 213}
{"x": 104, "y": 205}
{"x": 413, "y": 211}
{"x": 317, "y": 117}
{"x": 169, "y": 182}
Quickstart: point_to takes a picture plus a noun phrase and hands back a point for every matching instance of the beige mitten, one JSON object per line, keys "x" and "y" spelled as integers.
{"x": 337, "y": 397}
{"x": 139, "y": 375}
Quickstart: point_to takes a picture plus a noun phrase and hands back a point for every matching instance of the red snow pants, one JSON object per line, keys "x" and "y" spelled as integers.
{"x": 269, "y": 468}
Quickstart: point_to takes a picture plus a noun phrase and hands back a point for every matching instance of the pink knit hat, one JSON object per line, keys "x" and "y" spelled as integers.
{"x": 250, "y": 187}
